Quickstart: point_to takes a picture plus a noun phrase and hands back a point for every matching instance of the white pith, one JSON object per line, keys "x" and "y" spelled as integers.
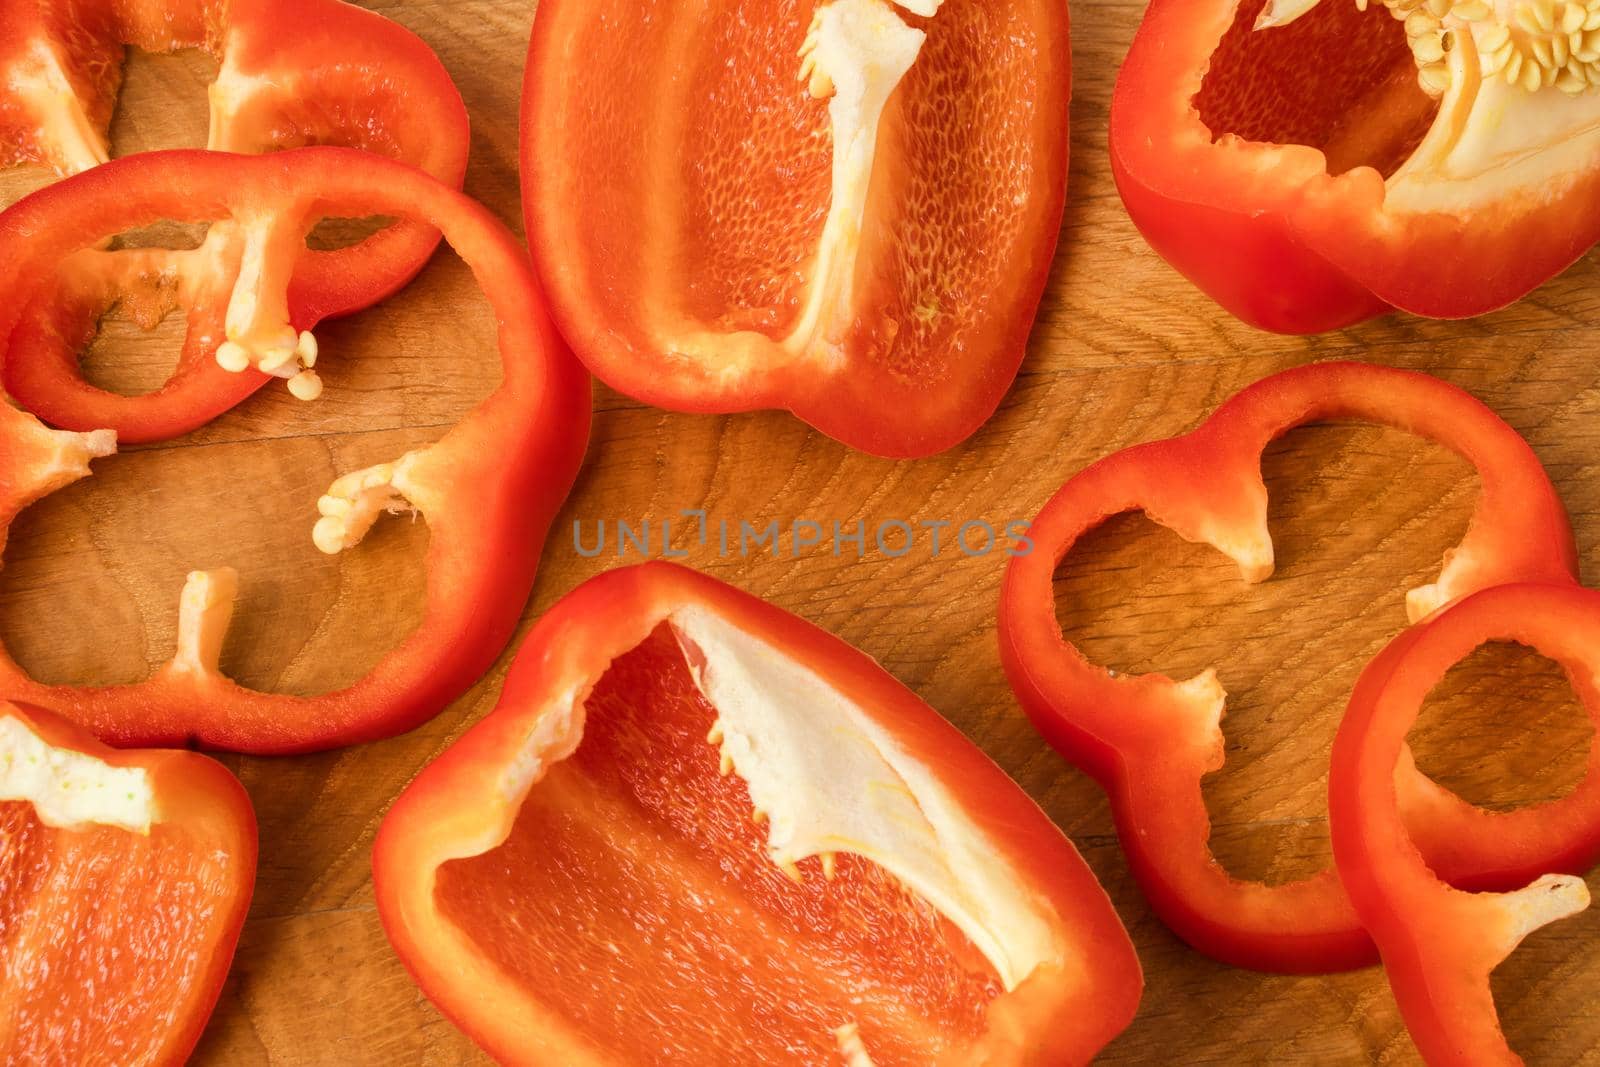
{"x": 70, "y": 790}
{"x": 228, "y": 97}
{"x": 40, "y": 82}
{"x": 1503, "y": 128}
{"x": 356, "y": 501}
{"x": 825, "y": 778}
{"x": 851, "y": 1047}
{"x": 259, "y": 331}
{"x": 1546, "y": 900}
{"x": 70, "y": 453}
{"x": 856, "y": 52}
{"x": 205, "y": 607}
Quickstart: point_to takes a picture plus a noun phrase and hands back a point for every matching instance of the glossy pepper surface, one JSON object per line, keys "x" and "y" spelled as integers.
{"x": 124, "y": 882}
{"x": 488, "y": 488}
{"x": 699, "y": 829}
{"x": 1312, "y": 163}
{"x": 1440, "y": 943}
{"x": 291, "y": 73}
{"x": 1148, "y": 739}
{"x": 865, "y": 246}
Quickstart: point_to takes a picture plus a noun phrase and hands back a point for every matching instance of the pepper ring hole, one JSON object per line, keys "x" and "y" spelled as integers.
{"x": 164, "y": 101}
{"x": 332, "y": 234}
{"x": 1503, "y": 729}
{"x": 1359, "y": 514}
{"x": 127, "y": 356}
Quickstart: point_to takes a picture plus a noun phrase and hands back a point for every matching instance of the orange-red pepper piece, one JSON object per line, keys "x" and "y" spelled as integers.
{"x": 292, "y": 73}
{"x": 699, "y": 830}
{"x": 488, "y": 488}
{"x": 124, "y": 882}
{"x": 1148, "y": 740}
{"x": 1440, "y": 943}
{"x": 846, "y": 210}
{"x": 1291, "y": 159}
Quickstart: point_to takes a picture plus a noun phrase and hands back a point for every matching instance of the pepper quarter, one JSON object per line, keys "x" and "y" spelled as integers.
{"x": 698, "y": 829}
{"x": 124, "y": 882}
{"x": 845, "y": 210}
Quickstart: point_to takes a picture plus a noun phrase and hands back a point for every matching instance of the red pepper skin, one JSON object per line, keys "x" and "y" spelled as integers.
{"x": 463, "y": 804}
{"x": 1440, "y": 943}
{"x": 489, "y": 488}
{"x": 1148, "y": 739}
{"x": 138, "y": 990}
{"x": 1265, "y": 231}
{"x": 293, "y": 72}
{"x": 952, "y": 269}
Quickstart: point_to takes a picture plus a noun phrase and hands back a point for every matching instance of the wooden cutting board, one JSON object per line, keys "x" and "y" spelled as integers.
{"x": 1124, "y": 351}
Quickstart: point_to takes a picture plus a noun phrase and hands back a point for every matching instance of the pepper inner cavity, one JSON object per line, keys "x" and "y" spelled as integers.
{"x": 1333, "y": 78}
{"x": 637, "y": 880}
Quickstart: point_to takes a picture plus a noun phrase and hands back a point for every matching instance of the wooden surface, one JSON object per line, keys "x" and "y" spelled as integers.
{"x": 1124, "y": 351}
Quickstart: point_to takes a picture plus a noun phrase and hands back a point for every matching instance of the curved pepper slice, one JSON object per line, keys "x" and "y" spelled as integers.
{"x": 697, "y": 829}
{"x": 489, "y": 488}
{"x": 124, "y": 882}
{"x": 865, "y": 247}
{"x": 293, "y": 73}
{"x": 1439, "y": 943}
{"x": 1148, "y": 740}
{"x": 1311, "y": 163}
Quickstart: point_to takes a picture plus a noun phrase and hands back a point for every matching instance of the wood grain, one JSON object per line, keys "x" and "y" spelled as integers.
{"x": 1125, "y": 351}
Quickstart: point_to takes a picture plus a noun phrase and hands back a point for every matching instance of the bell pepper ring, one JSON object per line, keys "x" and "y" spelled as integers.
{"x": 124, "y": 882}
{"x": 1148, "y": 740}
{"x": 488, "y": 488}
{"x": 697, "y": 829}
{"x": 1439, "y": 943}
{"x": 1312, "y": 163}
{"x": 850, "y": 216}
{"x": 293, "y": 73}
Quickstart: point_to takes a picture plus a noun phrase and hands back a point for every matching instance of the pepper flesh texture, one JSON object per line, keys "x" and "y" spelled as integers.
{"x": 114, "y": 939}
{"x": 489, "y": 488}
{"x": 292, "y": 73}
{"x": 1148, "y": 740}
{"x": 716, "y": 239}
{"x": 772, "y": 844}
{"x": 1439, "y": 943}
{"x": 1301, "y": 176}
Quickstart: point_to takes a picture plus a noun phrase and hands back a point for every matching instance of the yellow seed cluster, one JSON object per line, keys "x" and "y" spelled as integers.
{"x": 1544, "y": 42}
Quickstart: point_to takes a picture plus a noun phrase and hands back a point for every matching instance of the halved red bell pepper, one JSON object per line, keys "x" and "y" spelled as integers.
{"x": 1440, "y": 943}
{"x": 489, "y": 488}
{"x": 697, "y": 829}
{"x": 124, "y": 882}
{"x": 1148, "y": 740}
{"x": 716, "y": 238}
{"x": 293, "y": 73}
{"x": 1311, "y": 163}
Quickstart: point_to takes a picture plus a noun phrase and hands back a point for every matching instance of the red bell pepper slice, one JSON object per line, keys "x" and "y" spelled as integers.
{"x": 1293, "y": 161}
{"x": 1148, "y": 740}
{"x": 293, "y": 72}
{"x": 1439, "y": 943}
{"x": 124, "y": 882}
{"x": 697, "y": 829}
{"x": 717, "y": 239}
{"x": 489, "y": 488}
